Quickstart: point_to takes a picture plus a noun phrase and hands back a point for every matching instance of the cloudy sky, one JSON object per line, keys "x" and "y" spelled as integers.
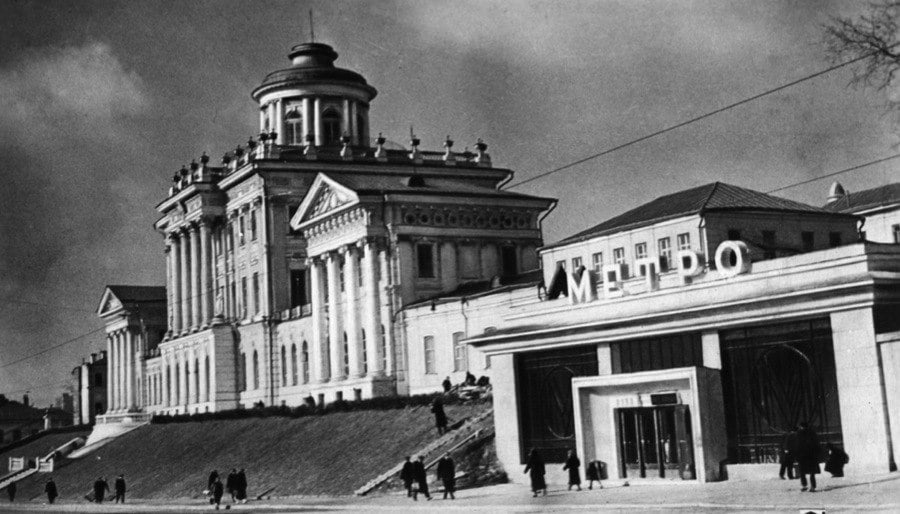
{"x": 100, "y": 102}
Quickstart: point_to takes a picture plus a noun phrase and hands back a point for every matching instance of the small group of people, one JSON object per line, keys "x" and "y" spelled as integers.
{"x": 801, "y": 448}
{"x": 101, "y": 487}
{"x": 469, "y": 382}
{"x": 235, "y": 484}
{"x": 415, "y": 478}
{"x": 536, "y": 469}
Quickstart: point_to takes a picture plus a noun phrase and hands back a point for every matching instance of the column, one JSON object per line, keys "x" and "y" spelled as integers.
{"x": 307, "y": 117}
{"x": 354, "y": 129}
{"x": 262, "y": 120}
{"x": 129, "y": 370}
{"x": 317, "y": 116}
{"x": 351, "y": 314}
{"x": 113, "y": 379}
{"x": 385, "y": 289}
{"x": 165, "y": 393}
{"x": 185, "y": 282}
{"x": 191, "y": 371}
{"x": 169, "y": 304}
{"x": 271, "y": 109}
{"x": 335, "y": 327}
{"x": 206, "y": 289}
{"x": 195, "y": 277}
{"x": 345, "y": 119}
{"x": 109, "y": 373}
{"x": 279, "y": 124}
{"x": 175, "y": 284}
{"x": 372, "y": 312}
{"x": 320, "y": 369}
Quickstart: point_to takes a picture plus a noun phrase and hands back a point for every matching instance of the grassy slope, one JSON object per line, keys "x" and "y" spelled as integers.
{"x": 331, "y": 454}
{"x": 39, "y": 447}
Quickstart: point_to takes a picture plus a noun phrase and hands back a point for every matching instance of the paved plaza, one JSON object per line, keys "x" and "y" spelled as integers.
{"x": 874, "y": 493}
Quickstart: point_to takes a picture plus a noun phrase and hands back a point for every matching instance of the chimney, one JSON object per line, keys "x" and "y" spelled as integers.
{"x": 25, "y": 400}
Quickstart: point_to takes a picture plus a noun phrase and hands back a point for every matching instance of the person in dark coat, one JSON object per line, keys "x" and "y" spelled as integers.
{"x": 406, "y": 474}
{"x": 592, "y": 472}
{"x": 446, "y": 472}
{"x": 212, "y": 479}
{"x": 837, "y": 458}
{"x": 50, "y": 489}
{"x": 572, "y": 464}
{"x": 217, "y": 491}
{"x": 420, "y": 478}
{"x": 447, "y": 384}
{"x": 807, "y": 455}
{"x": 100, "y": 489}
{"x": 231, "y": 484}
{"x": 11, "y": 491}
{"x": 440, "y": 417}
{"x": 470, "y": 379}
{"x": 120, "y": 489}
{"x": 535, "y": 468}
{"x": 241, "y": 484}
{"x": 787, "y": 457}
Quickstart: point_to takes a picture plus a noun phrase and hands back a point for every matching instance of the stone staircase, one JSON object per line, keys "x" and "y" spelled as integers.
{"x": 109, "y": 427}
{"x": 56, "y": 453}
{"x": 468, "y": 431}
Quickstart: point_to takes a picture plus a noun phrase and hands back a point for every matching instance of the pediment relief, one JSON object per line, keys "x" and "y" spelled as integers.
{"x": 325, "y": 197}
{"x": 109, "y": 303}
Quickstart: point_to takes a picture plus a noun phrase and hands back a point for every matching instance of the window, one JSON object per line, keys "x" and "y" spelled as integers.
{"x": 429, "y": 355}
{"x": 896, "y": 231}
{"x": 597, "y": 261}
{"x": 229, "y": 242}
{"x": 255, "y": 370}
{"x": 509, "y": 260}
{"x": 98, "y": 379}
{"x": 244, "y": 296}
{"x": 834, "y": 239}
{"x": 684, "y": 241}
{"x": 293, "y": 364}
{"x": 808, "y": 241}
{"x": 341, "y": 270}
{"x": 284, "y": 368}
{"x": 768, "y": 243}
{"x": 425, "y": 260}
{"x": 256, "y": 293}
{"x": 460, "y": 353}
{"x": 561, "y": 265}
{"x": 346, "y": 356}
{"x": 208, "y": 380}
{"x": 365, "y": 354}
{"x": 619, "y": 255}
{"x": 664, "y": 247}
{"x": 293, "y": 126}
{"x": 298, "y": 287}
{"x": 331, "y": 127}
{"x": 640, "y": 251}
{"x": 305, "y": 361}
{"x": 734, "y": 234}
{"x": 576, "y": 263}
{"x": 253, "y": 224}
{"x": 384, "y": 350}
{"x": 233, "y": 306}
{"x": 241, "y": 230}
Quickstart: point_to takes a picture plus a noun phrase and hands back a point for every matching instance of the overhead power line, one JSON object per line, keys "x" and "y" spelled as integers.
{"x": 68, "y": 341}
{"x": 696, "y": 119}
{"x": 845, "y": 170}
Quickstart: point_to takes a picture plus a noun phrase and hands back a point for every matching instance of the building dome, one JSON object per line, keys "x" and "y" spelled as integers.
{"x": 836, "y": 192}
{"x": 313, "y": 102}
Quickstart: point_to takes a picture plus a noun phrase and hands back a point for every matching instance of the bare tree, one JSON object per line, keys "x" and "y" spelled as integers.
{"x": 873, "y": 34}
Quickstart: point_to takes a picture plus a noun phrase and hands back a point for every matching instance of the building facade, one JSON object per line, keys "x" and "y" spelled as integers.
{"x": 880, "y": 206}
{"x": 90, "y": 398}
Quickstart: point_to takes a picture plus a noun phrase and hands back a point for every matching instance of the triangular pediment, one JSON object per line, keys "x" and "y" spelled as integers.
{"x": 109, "y": 303}
{"x": 324, "y": 198}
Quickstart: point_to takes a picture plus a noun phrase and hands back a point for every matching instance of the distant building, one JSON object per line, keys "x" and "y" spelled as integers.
{"x": 90, "y": 389}
{"x": 879, "y": 205}
{"x": 20, "y": 419}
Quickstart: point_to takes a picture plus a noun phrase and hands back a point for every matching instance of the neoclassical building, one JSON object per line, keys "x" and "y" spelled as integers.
{"x": 288, "y": 263}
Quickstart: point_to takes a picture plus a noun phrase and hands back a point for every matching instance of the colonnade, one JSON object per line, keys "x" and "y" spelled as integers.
{"x": 351, "y": 328}
{"x": 311, "y": 114}
{"x": 184, "y": 378}
{"x": 189, "y": 266}
{"x": 123, "y": 366}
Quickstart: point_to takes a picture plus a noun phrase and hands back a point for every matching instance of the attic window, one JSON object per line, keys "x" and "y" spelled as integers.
{"x": 414, "y": 181}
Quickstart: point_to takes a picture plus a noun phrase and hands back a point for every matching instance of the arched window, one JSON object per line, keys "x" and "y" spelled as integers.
{"x": 293, "y": 126}
{"x": 196, "y": 396}
{"x": 242, "y": 373}
{"x": 167, "y": 396}
{"x": 361, "y": 129}
{"x": 331, "y": 126}
{"x": 384, "y": 351}
{"x": 177, "y": 383}
{"x": 305, "y": 361}
{"x": 255, "y": 370}
{"x": 365, "y": 362}
{"x": 346, "y": 356}
{"x": 294, "y": 364}
{"x": 208, "y": 381}
{"x": 284, "y": 368}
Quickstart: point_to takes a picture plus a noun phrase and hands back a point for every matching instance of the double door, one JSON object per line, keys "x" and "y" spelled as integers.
{"x": 655, "y": 442}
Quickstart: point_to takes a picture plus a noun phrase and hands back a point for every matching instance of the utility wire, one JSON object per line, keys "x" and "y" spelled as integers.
{"x": 845, "y": 170}
{"x": 698, "y": 118}
{"x": 68, "y": 341}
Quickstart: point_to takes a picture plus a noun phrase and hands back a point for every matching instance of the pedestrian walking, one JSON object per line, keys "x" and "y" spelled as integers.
{"x": 11, "y": 491}
{"x": 406, "y": 474}
{"x": 217, "y": 491}
{"x": 447, "y": 384}
{"x": 787, "y": 457}
{"x": 592, "y": 473}
{"x": 536, "y": 470}
{"x": 231, "y": 485}
{"x": 446, "y": 472}
{"x": 241, "y": 480}
{"x": 573, "y": 464}
{"x": 50, "y": 489}
{"x": 212, "y": 479}
{"x": 808, "y": 456}
{"x": 120, "y": 489}
{"x": 837, "y": 458}
{"x": 100, "y": 489}
{"x": 440, "y": 417}
{"x": 420, "y": 478}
